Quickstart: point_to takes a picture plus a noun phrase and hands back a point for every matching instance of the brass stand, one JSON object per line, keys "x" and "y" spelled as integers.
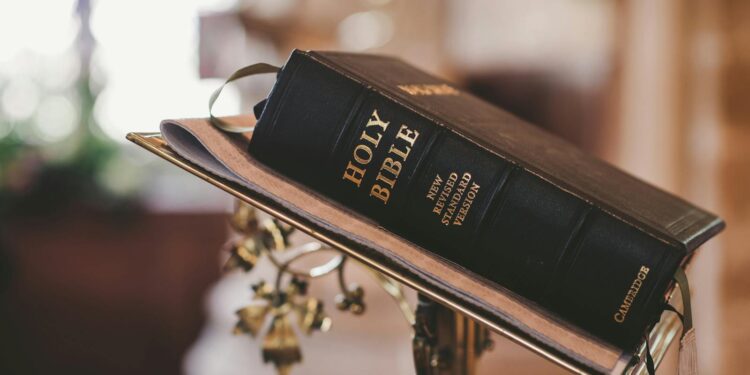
{"x": 278, "y": 301}
{"x": 446, "y": 342}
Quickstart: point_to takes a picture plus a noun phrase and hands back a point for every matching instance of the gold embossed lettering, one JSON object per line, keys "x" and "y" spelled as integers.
{"x": 407, "y": 134}
{"x": 434, "y": 187}
{"x": 373, "y": 141}
{"x": 362, "y": 153}
{"x": 390, "y": 182}
{"x": 466, "y": 205}
{"x": 353, "y": 174}
{"x": 428, "y": 89}
{"x": 632, "y": 292}
{"x": 402, "y": 154}
{"x": 391, "y": 166}
{"x": 359, "y": 158}
{"x": 445, "y": 193}
{"x": 381, "y": 193}
{"x": 376, "y": 121}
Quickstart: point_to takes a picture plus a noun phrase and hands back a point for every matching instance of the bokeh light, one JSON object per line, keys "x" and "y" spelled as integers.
{"x": 160, "y": 79}
{"x": 56, "y": 119}
{"x": 20, "y": 98}
{"x": 48, "y": 27}
{"x": 365, "y": 30}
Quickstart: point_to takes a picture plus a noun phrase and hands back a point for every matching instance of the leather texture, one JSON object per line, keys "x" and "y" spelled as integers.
{"x": 558, "y": 227}
{"x": 224, "y": 155}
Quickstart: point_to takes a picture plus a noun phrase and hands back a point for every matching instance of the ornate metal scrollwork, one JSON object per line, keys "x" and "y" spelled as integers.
{"x": 269, "y": 314}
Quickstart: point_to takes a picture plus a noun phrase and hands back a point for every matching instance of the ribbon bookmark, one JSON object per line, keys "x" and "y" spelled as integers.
{"x": 688, "y": 356}
{"x": 250, "y": 70}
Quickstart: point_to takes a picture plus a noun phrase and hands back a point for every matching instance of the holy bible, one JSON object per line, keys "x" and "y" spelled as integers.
{"x": 461, "y": 178}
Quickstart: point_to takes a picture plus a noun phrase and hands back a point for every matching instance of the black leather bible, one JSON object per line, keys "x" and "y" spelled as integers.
{"x": 501, "y": 198}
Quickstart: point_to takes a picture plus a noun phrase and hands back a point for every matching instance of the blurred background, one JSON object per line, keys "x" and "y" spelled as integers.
{"x": 110, "y": 258}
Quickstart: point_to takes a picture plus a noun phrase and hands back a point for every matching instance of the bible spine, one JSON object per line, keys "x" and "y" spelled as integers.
{"x": 351, "y": 143}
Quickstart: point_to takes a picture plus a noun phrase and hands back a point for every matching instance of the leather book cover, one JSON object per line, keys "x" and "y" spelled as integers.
{"x": 498, "y": 197}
